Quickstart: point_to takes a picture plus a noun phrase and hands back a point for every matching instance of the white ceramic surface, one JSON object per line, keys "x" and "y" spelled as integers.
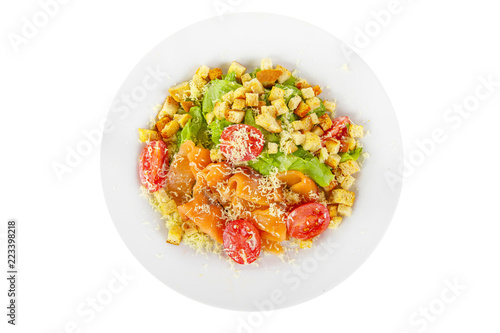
{"x": 321, "y": 59}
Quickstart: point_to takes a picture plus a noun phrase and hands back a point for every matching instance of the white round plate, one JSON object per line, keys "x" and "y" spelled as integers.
{"x": 320, "y": 58}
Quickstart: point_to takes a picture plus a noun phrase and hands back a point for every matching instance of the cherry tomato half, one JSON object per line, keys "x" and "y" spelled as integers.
{"x": 153, "y": 165}
{"x": 241, "y": 142}
{"x": 241, "y": 241}
{"x": 338, "y": 130}
{"x": 308, "y": 220}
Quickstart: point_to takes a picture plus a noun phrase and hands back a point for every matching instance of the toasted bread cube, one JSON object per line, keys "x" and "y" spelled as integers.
{"x": 335, "y": 222}
{"x": 301, "y": 84}
{"x": 174, "y": 234}
{"x": 203, "y": 71}
{"x": 347, "y": 182}
{"x": 198, "y": 81}
{"x": 349, "y": 167}
{"x": 351, "y": 143}
{"x": 330, "y": 106}
{"x": 341, "y": 196}
{"x": 180, "y": 92}
{"x": 307, "y": 93}
{"x": 245, "y": 78}
{"x": 189, "y": 228}
{"x": 332, "y": 209}
{"x": 302, "y": 110}
{"x": 344, "y": 210}
{"x": 333, "y": 145}
{"x": 187, "y": 105}
{"x": 271, "y": 110}
{"x": 235, "y": 116}
{"x": 356, "y": 131}
{"x": 268, "y": 122}
{"x": 325, "y": 122}
{"x": 255, "y": 86}
{"x": 148, "y": 135}
{"x": 314, "y": 118}
{"x": 240, "y": 92}
{"x": 330, "y": 186}
{"x": 306, "y": 244}
{"x": 266, "y": 63}
{"x": 272, "y": 148}
{"x": 317, "y": 90}
{"x": 239, "y": 104}
{"x": 290, "y": 148}
{"x": 215, "y": 73}
{"x": 237, "y": 68}
{"x": 252, "y": 99}
{"x": 170, "y": 129}
{"x": 339, "y": 177}
{"x": 160, "y": 124}
{"x": 261, "y": 104}
{"x": 220, "y": 109}
{"x": 333, "y": 160}
{"x": 210, "y": 117}
{"x": 317, "y": 130}
{"x": 276, "y": 93}
{"x": 228, "y": 97}
{"x": 313, "y": 103}
{"x": 169, "y": 108}
{"x": 294, "y": 102}
{"x": 298, "y": 138}
{"x": 216, "y": 155}
{"x": 163, "y": 199}
{"x": 286, "y": 74}
{"x": 312, "y": 142}
{"x": 305, "y": 124}
{"x": 323, "y": 155}
{"x": 182, "y": 119}
{"x": 280, "y": 106}
{"x": 268, "y": 76}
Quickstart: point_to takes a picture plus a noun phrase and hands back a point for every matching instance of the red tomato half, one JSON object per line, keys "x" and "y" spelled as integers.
{"x": 241, "y": 241}
{"x": 241, "y": 142}
{"x": 308, "y": 220}
{"x": 338, "y": 130}
{"x": 153, "y": 165}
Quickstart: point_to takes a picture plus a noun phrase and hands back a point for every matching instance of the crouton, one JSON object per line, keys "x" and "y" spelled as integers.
{"x": 237, "y": 68}
{"x": 333, "y": 160}
{"x": 148, "y": 135}
{"x": 276, "y": 93}
{"x": 182, "y": 119}
{"x": 215, "y": 73}
{"x": 290, "y": 148}
{"x": 313, "y": 103}
{"x": 285, "y": 74}
{"x": 307, "y": 92}
{"x": 312, "y": 142}
{"x": 169, "y": 108}
{"x": 175, "y": 234}
{"x": 228, "y": 97}
{"x": 180, "y": 92}
{"x": 341, "y": 196}
{"x": 356, "y": 131}
{"x": 255, "y": 86}
{"x": 298, "y": 138}
{"x": 268, "y": 76}
{"x": 333, "y": 145}
{"x": 240, "y": 92}
{"x": 252, "y": 99}
{"x": 325, "y": 122}
{"x": 349, "y": 167}
{"x": 198, "y": 81}
{"x": 330, "y": 106}
{"x": 314, "y": 118}
{"x": 301, "y": 84}
{"x": 220, "y": 109}
{"x": 280, "y": 106}
{"x": 203, "y": 71}
{"x": 347, "y": 182}
{"x": 235, "y": 116}
{"x": 272, "y": 148}
{"x": 187, "y": 105}
{"x": 170, "y": 129}
{"x": 160, "y": 124}
{"x": 271, "y": 110}
{"x": 323, "y": 155}
{"x": 305, "y": 124}
{"x": 350, "y": 143}
{"x": 317, "y": 130}
{"x": 239, "y": 104}
{"x": 330, "y": 186}
{"x": 266, "y": 63}
{"x": 332, "y": 209}
{"x": 294, "y": 102}
{"x": 268, "y": 122}
{"x": 210, "y": 117}
{"x": 344, "y": 210}
{"x": 317, "y": 90}
{"x": 335, "y": 222}
{"x": 245, "y": 78}
{"x": 302, "y": 110}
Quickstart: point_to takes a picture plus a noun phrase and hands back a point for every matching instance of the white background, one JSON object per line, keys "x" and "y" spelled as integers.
{"x": 429, "y": 55}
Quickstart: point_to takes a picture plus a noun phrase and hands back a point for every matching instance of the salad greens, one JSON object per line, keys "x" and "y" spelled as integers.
{"x": 351, "y": 155}
{"x": 195, "y": 129}
{"x": 215, "y": 90}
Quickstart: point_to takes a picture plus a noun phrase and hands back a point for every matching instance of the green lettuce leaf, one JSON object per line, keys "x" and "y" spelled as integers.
{"x": 291, "y": 81}
{"x": 215, "y": 90}
{"x": 351, "y": 155}
{"x": 287, "y": 87}
{"x": 195, "y": 129}
{"x": 216, "y": 127}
